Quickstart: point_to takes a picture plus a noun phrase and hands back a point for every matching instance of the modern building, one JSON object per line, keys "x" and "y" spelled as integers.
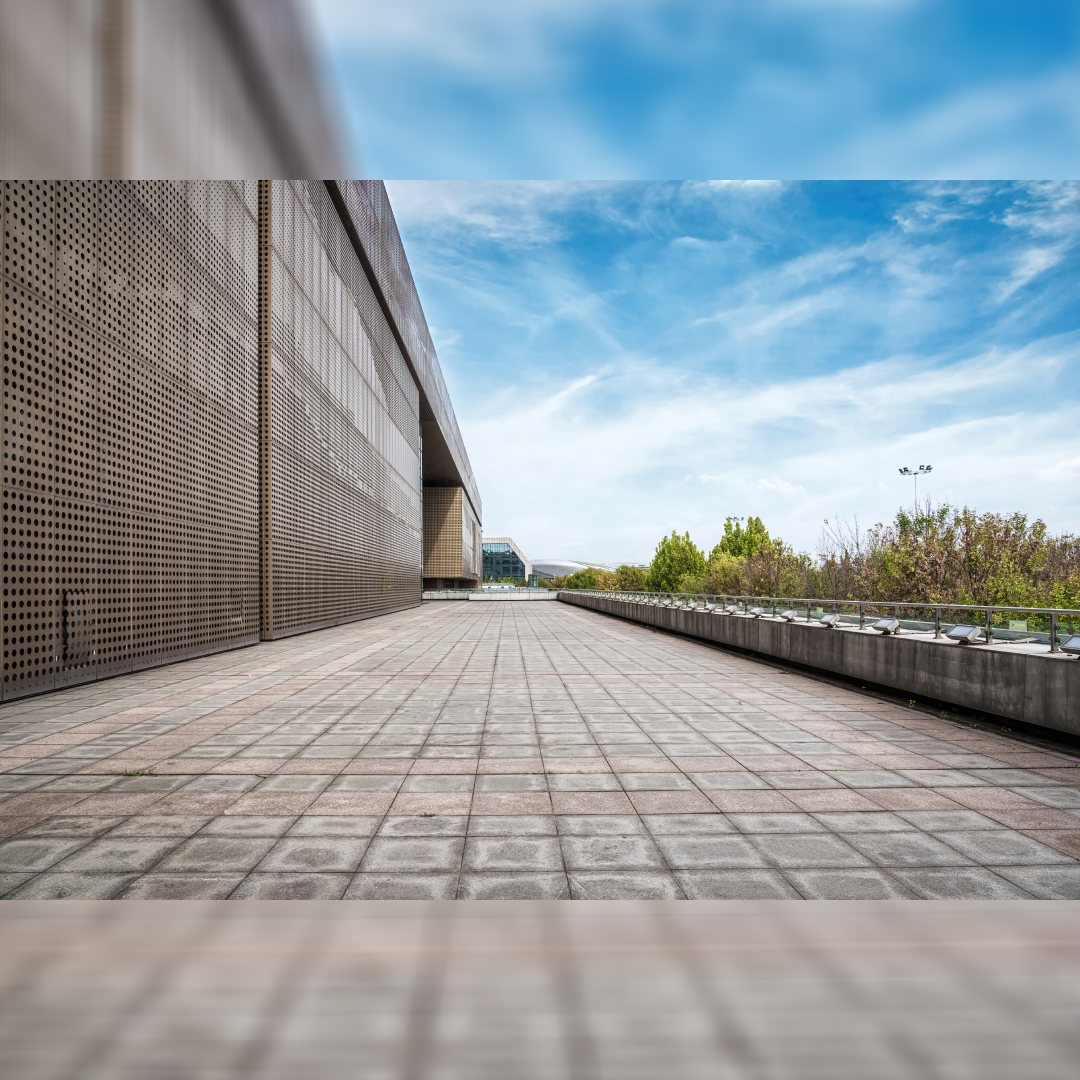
{"x": 504, "y": 559}
{"x": 553, "y": 568}
{"x": 224, "y": 418}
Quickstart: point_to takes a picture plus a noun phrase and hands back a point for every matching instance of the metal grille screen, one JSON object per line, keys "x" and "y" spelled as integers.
{"x": 445, "y": 553}
{"x": 347, "y": 516}
{"x": 130, "y": 493}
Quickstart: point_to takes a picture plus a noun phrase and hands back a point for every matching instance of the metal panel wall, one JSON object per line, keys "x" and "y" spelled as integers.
{"x": 443, "y": 540}
{"x": 130, "y": 515}
{"x": 347, "y": 517}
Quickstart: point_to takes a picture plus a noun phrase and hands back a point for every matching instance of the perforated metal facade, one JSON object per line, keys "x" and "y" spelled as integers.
{"x": 129, "y": 437}
{"x": 452, "y": 551}
{"x": 138, "y": 494}
{"x": 347, "y": 518}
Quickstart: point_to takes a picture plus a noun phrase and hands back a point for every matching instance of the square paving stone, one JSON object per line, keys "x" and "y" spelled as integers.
{"x": 403, "y": 887}
{"x": 728, "y": 851}
{"x": 583, "y": 782}
{"x": 735, "y": 885}
{"x": 687, "y": 824}
{"x": 351, "y": 803}
{"x": 959, "y": 883}
{"x": 72, "y": 826}
{"x": 335, "y": 825}
{"x": 248, "y": 825}
{"x": 217, "y": 854}
{"x": 752, "y": 802}
{"x": 611, "y": 853}
{"x": 510, "y": 803}
{"x": 75, "y": 783}
{"x": 271, "y": 803}
{"x": 424, "y": 826}
{"x": 1045, "y": 882}
{"x": 590, "y": 802}
{"x": 807, "y": 851}
{"x": 385, "y": 782}
{"x": 314, "y": 855}
{"x": 947, "y": 820}
{"x": 865, "y": 821}
{"x": 431, "y": 782}
{"x": 150, "y": 783}
{"x": 600, "y": 825}
{"x": 639, "y": 885}
{"x": 161, "y": 825}
{"x": 1061, "y": 797}
{"x": 513, "y": 886}
{"x": 119, "y": 854}
{"x": 848, "y": 885}
{"x": 73, "y": 886}
{"x": 34, "y": 855}
{"x": 671, "y": 802}
{"x": 302, "y": 782}
{"x": 311, "y": 886}
{"x": 10, "y": 782}
{"x": 213, "y": 784}
{"x": 906, "y": 849}
{"x": 512, "y": 853}
{"x": 182, "y": 887}
{"x": 443, "y": 803}
{"x": 1003, "y": 848}
{"x": 526, "y": 825}
{"x": 776, "y": 823}
{"x": 512, "y": 782}
{"x": 941, "y": 778}
{"x": 413, "y": 854}
{"x": 872, "y": 778}
{"x": 728, "y": 781}
{"x": 911, "y": 799}
{"x": 800, "y": 781}
{"x": 654, "y": 781}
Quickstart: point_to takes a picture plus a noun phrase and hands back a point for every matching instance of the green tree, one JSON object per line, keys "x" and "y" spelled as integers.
{"x": 743, "y": 542}
{"x": 676, "y": 557}
{"x": 630, "y": 578}
{"x": 589, "y": 578}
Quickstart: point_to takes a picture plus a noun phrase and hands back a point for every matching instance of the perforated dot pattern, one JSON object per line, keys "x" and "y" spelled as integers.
{"x": 131, "y": 428}
{"x": 129, "y": 510}
{"x": 347, "y": 519}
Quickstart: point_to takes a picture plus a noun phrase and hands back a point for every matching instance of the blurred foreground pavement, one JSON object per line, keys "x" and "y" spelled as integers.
{"x": 624, "y": 989}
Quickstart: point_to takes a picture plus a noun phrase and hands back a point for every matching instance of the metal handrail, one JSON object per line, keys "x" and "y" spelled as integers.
{"x": 713, "y": 602}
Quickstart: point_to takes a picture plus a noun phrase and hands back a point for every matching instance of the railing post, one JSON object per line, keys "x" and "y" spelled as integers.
{"x": 989, "y": 626}
{"x": 1054, "y": 647}
{"x": 937, "y": 622}
{"x": 862, "y": 616}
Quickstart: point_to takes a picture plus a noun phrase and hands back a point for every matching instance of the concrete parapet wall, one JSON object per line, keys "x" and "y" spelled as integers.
{"x": 1040, "y": 688}
{"x": 516, "y": 596}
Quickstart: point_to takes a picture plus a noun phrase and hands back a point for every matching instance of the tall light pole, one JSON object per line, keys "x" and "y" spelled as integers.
{"x": 922, "y": 470}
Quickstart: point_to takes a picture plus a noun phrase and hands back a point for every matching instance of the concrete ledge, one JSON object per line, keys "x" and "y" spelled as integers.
{"x": 1036, "y": 687}
{"x": 516, "y": 595}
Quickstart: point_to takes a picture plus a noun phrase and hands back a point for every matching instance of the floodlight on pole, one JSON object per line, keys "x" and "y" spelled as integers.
{"x": 922, "y": 470}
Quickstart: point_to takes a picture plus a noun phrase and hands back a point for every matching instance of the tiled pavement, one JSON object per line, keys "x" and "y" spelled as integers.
{"x": 516, "y": 751}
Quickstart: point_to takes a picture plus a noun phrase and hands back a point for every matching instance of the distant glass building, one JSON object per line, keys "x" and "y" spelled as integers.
{"x": 504, "y": 559}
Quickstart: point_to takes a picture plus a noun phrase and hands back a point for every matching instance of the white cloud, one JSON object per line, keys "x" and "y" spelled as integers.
{"x": 1029, "y": 265}
{"x": 621, "y": 475}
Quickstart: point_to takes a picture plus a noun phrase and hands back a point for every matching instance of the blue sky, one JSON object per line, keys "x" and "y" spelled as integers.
{"x": 630, "y": 355}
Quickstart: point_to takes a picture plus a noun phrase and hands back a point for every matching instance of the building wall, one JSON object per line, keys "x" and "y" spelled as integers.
{"x": 347, "y": 518}
{"x": 132, "y": 446}
{"x": 130, "y": 517}
{"x": 451, "y": 538}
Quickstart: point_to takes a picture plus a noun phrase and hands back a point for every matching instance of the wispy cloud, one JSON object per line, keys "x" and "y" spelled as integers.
{"x": 698, "y": 88}
{"x": 615, "y": 381}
